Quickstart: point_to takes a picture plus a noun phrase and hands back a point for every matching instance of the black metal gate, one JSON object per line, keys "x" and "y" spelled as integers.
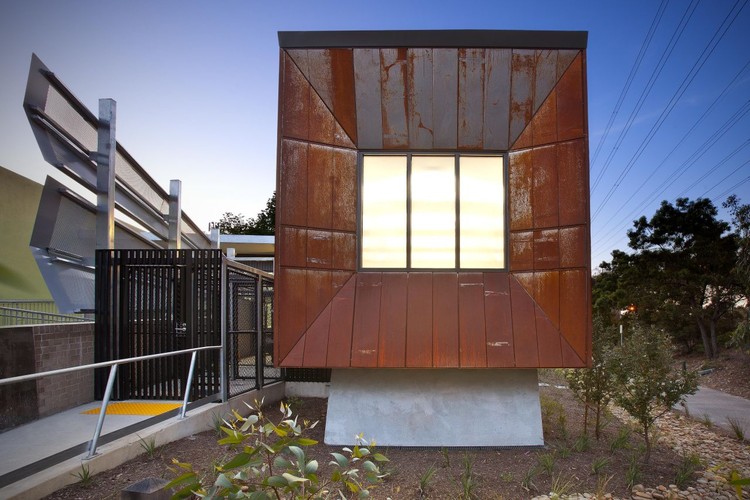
{"x": 157, "y": 301}
{"x": 249, "y": 323}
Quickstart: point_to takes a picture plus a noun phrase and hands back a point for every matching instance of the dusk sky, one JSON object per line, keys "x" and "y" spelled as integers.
{"x": 196, "y": 86}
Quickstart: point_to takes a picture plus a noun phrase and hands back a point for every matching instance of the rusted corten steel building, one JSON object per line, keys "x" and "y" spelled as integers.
{"x": 433, "y": 200}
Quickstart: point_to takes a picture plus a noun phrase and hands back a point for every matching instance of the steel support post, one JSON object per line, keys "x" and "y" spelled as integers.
{"x": 175, "y": 214}
{"x": 224, "y": 344}
{"x": 260, "y": 361}
{"x": 103, "y": 411}
{"x": 105, "y": 175}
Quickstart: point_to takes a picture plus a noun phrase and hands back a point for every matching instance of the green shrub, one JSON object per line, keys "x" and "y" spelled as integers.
{"x": 271, "y": 463}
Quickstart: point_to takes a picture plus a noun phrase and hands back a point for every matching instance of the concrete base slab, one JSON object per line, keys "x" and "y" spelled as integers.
{"x": 435, "y": 407}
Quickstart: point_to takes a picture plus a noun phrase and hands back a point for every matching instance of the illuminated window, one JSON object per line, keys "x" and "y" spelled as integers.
{"x": 432, "y": 211}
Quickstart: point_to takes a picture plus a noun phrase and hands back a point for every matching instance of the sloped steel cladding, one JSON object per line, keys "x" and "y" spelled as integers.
{"x": 520, "y": 94}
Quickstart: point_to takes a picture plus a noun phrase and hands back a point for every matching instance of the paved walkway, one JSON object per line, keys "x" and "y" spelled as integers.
{"x": 719, "y": 406}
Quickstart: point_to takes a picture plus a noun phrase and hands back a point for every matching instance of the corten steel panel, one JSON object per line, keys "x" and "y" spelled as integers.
{"x": 521, "y": 91}
{"x": 394, "y": 100}
{"x": 344, "y": 190}
{"x": 496, "y": 98}
{"x": 368, "y": 100}
{"x": 292, "y": 247}
{"x": 470, "y": 98}
{"x": 574, "y": 312}
{"x": 522, "y": 251}
{"x": 344, "y": 105}
{"x": 322, "y": 126}
{"x": 319, "y": 186}
{"x": 319, "y": 249}
{"x": 545, "y": 187}
{"x": 546, "y": 249}
{"x": 445, "y": 98}
{"x": 573, "y": 244}
{"x": 292, "y": 302}
{"x": 570, "y": 102}
{"x": 547, "y": 295}
{"x": 366, "y": 320}
{"x": 319, "y": 291}
{"x": 471, "y": 326}
{"x": 316, "y": 340}
{"x": 564, "y": 58}
{"x": 419, "y": 92}
{"x": 295, "y": 102}
{"x": 520, "y": 187}
{"x": 392, "y": 335}
{"x": 572, "y": 174}
{"x": 419, "y": 321}
{"x": 545, "y": 75}
{"x": 524, "y": 323}
{"x": 344, "y": 251}
{"x": 293, "y": 183}
{"x": 498, "y": 320}
{"x": 421, "y": 98}
{"x": 445, "y": 349}
{"x": 544, "y": 123}
{"x": 342, "y": 319}
{"x": 548, "y": 341}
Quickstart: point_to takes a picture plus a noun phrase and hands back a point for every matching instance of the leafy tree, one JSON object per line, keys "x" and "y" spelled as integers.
{"x": 646, "y": 386}
{"x": 593, "y": 386}
{"x": 263, "y": 224}
{"x": 684, "y": 263}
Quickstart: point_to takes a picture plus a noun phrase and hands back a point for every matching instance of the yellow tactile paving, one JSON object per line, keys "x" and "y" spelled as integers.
{"x": 135, "y": 408}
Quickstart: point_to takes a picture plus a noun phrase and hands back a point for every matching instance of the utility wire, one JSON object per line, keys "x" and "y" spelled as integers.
{"x": 628, "y": 82}
{"x": 699, "y": 63}
{"x": 691, "y": 160}
{"x": 655, "y": 73}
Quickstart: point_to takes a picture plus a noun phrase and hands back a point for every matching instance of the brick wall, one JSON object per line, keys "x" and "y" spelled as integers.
{"x": 63, "y": 346}
{"x": 39, "y": 348}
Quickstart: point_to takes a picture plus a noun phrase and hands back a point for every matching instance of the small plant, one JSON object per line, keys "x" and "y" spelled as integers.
{"x": 561, "y": 486}
{"x": 527, "y": 482}
{"x": 148, "y": 446}
{"x": 507, "y": 477}
{"x": 622, "y": 440}
{"x": 739, "y": 432}
{"x": 468, "y": 481}
{"x": 601, "y": 485}
{"x": 547, "y": 462}
{"x": 562, "y": 420}
{"x": 84, "y": 475}
{"x": 446, "y": 456}
{"x": 583, "y": 443}
{"x": 217, "y": 422}
{"x": 706, "y": 420}
{"x": 564, "y": 451}
{"x": 295, "y": 403}
{"x": 599, "y": 464}
{"x": 425, "y": 479}
{"x": 633, "y": 473}
{"x": 686, "y": 468}
{"x": 269, "y": 462}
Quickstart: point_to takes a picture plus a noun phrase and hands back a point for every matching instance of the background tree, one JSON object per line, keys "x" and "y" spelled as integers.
{"x": 684, "y": 259}
{"x": 593, "y": 386}
{"x": 263, "y": 224}
{"x": 646, "y": 386}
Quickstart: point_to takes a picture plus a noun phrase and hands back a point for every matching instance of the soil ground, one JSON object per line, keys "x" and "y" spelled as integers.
{"x": 566, "y": 463}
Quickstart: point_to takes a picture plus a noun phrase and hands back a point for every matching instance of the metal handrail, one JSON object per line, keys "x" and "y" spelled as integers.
{"x": 111, "y": 382}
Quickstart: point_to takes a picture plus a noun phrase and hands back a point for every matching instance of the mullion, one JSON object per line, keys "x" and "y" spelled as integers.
{"x": 457, "y": 228}
{"x": 408, "y": 211}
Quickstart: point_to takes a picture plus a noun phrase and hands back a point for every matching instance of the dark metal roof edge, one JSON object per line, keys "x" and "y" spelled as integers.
{"x": 508, "y": 39}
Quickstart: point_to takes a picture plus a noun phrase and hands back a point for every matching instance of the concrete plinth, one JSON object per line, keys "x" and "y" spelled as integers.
{"x": 436, "y": 407}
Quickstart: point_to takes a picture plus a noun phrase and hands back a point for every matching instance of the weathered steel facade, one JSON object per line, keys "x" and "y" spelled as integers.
{"x": 522, "y": 94}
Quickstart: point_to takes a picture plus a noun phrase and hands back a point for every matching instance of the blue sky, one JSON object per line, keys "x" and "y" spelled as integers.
{"x": 196, "y": 86}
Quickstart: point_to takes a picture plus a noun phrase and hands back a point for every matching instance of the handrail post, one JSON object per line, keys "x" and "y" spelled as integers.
{"x": 189, "y": 382}
{"x": 102, "y": 412}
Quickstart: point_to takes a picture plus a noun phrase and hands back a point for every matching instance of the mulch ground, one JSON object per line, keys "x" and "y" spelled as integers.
{"x": 567, "y": 463}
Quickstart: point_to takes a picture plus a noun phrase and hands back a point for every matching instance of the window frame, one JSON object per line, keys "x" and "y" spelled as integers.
{"x": 456, "y": 155}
